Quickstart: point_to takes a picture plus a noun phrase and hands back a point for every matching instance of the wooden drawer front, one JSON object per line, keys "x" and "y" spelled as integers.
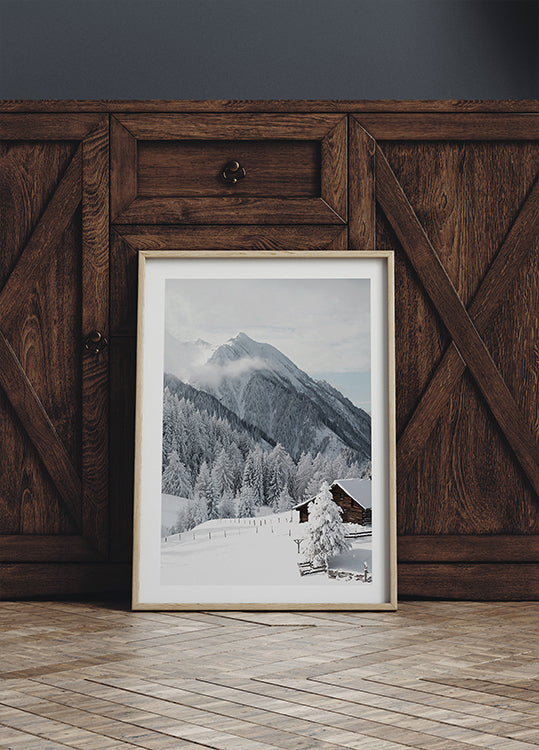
{"x": 167, "y": 169}
{"x": 192, "y": 169}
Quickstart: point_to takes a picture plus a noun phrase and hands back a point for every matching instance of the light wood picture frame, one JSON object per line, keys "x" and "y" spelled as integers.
{"x": 265, "y": 431}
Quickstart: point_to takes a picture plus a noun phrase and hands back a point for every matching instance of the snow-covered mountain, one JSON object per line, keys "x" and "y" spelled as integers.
{"x": 266, "y": 389}
{"x": 205, "y": 403}
{"x": 183, "y": 358}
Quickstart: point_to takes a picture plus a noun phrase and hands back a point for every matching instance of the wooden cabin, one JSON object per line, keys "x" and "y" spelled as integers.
{"x": 354, "y": 496}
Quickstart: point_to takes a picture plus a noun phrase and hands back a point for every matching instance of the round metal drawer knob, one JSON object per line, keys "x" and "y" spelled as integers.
{"x": 232, "y": 172}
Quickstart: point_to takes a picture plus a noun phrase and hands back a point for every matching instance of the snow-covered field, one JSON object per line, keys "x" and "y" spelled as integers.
{"x": 170, "y": 507}
{"x": 250, "y": 551}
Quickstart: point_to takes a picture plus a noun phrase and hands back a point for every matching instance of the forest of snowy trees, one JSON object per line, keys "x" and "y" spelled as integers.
{"x": 227, "y": 470}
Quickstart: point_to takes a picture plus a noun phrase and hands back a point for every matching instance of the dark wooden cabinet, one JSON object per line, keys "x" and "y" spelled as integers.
{"x": 450, "y": 187}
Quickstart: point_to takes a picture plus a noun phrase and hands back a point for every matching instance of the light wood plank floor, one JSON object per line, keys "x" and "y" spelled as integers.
{"x": 435, "y": 675}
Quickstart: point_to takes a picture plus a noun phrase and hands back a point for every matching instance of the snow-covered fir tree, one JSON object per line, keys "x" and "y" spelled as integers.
{"x": 193, "y": 514}
{"x": 246, "y": 503}
{"x": 338, "y": 468}
{"x": 211, "y": 456}
{"x": 227, "y": 506}
{"x": 320, "y": 472}
{"x": 280, "y": 472}
{"x": 366, "y": 472}
{"x": 170, "y": 422}
{"x": 180, "y": 524}
{"x": 198, "y": 436}
{"x": 197, "y": 511}
{"x": 236, "y": 462}
{"x": 285, "y": 501}
{"x": 176, "y": 479}
{"x": 303, "y": 474}
{"x": 253, "y": 474}
{"x": 204, "y": 489}
{"x": 324, "y": 529}
{"x": 222, "y": 474}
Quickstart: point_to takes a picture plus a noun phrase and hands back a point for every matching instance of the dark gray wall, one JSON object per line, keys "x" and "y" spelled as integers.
{"x": 257, "y": 49}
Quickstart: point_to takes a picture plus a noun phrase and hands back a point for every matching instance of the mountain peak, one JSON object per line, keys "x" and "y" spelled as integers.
{"x": 263, "y": 387}
{"x": 242, "y": 337}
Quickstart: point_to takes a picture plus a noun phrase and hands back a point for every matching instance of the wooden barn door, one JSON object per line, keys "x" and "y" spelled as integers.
{"x": 457, "y": 198}
{"x": 53, "y": 390}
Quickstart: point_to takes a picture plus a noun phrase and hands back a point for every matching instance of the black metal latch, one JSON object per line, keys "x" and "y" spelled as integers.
{"x": 95, "y": 342}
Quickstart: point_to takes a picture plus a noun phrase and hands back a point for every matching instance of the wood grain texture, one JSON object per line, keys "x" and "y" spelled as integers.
{"x": 123, "y": 167}
{"x": 122, "y": 445}
{"x": 445, "y": 127}
{"x": 95, "y": 316}
{"x": 477, "y": 484}
{"x": 94, "y": 676}
{"x": 45, "y": 127}
{"x": 361, "y": 188}
{"x": 52, "y": 253}
{"x": 50, "y": 358}
{"x": 123, "y": 286}
{"x": 270, "y": 105}
{"x": 24, "y": 580}
{"x": 43, "y": 241}
{"x": 517, "y": 351}
{"x": 468, "y": 197}
{"x": 40, "y": 429}
{"x": 240, "y": 126}
{"x": 127, "y": 240}
{"x": 456, "y": 319}
{"x": 274, "y": 168}
{"x": 229, "y": 210}
{"x": 44, "y": 548}
{"x": 296, "y": 169}
{"x": 488, "y": 548}
{"x": 338, "y": 242}
{"x": 334, "y": 171}
{"x": 30, "y": 175}
{"x": 24, "y": 482}
{"x": 232, "y": 237}
{"x": 421, "y": 337}
{"x": 479, "y": 581}
{"x": 501, "y": 275}
{"x": 462, "y": 477}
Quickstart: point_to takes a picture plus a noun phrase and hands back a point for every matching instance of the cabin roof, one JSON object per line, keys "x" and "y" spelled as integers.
{"x": 360, "y": 490}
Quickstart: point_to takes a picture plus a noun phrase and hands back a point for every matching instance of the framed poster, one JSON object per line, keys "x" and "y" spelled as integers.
{"x": 265, "y": 439}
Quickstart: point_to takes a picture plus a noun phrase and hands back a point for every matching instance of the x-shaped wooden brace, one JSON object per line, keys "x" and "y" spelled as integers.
{"x": 467, "y": 350}
{"x": 13, "y": 378}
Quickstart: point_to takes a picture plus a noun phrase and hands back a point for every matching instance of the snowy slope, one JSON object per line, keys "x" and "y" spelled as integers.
{"x": 248, "y": 551}
{"x": 266, "y": 389}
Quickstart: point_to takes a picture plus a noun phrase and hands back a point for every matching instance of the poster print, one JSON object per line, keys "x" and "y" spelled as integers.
{"x": 262, "y": 488}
